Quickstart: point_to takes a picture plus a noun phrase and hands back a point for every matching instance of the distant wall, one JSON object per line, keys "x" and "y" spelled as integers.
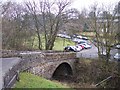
{"x": 9, "y": 53}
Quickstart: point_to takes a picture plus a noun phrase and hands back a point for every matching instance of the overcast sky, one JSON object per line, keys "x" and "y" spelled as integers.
{"x": 81, "y": 4}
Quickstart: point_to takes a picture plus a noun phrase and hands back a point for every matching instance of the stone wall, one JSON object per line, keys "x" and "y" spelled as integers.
{"x": 11, "y": 76}
{"x": 41, "y": 63}
{"x": 49, "y": 68}
{"x": 37, "y": 58}
{"x": 9, "y": 53}
{"x": 59, "y": 56}
{"x": 48, "y": 62}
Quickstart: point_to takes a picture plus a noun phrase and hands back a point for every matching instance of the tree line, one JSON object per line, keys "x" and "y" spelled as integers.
{"x": 21, "y": 22}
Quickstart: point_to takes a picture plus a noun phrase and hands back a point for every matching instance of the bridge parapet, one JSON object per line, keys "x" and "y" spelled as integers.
{"x": 40, "y": 58}
{"x": 59, "y": 56}
{"x": 31, "y": 59}
{"x": 43, "y": 63}
{"x": 45, "y": 56}
{"x": 9, "y": 53}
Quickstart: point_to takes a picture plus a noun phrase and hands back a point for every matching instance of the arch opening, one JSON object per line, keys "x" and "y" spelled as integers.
{"x": 62, "y": 72}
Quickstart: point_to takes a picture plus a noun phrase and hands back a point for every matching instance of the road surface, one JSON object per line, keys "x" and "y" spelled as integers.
{"x": 88, "y": 53}
{"x": 6, "y": 64}
{"x": 93, "y": 52}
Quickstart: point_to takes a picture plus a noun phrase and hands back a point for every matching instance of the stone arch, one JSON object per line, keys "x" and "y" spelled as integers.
{"x": 63, "y": 70}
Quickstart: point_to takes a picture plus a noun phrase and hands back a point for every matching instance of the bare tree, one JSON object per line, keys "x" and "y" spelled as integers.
{"x": 13, "y": 26}
{"x": 74, "y": 23}
{"x": 48, "y": 18}
{"x": 32, "y": 9}
{"x": 54, "y": 20}
{"x": 104, "y": 24}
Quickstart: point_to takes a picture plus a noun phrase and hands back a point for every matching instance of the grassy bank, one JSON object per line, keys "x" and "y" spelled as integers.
{"x": 28, "y": 80}
{"x": 59, "y": 44}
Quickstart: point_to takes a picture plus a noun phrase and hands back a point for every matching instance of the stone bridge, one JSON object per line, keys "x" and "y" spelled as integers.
{"x": 48, "y": 64}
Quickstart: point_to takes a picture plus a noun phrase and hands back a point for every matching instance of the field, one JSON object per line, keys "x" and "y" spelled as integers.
{"x": 89, "y": 34}
{"x": 59, "y": 44}
{"x": 28, "y": 80}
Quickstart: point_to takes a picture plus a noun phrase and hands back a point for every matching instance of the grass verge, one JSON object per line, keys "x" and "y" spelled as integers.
{"x": 28, "y": 80}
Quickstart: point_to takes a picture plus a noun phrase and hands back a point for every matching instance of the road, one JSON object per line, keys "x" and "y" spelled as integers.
{"x": 88, "y": 53}
{"x": 6, "y": 64}
{"x": 93, "y": 52}
{"x": 1, "y": 74}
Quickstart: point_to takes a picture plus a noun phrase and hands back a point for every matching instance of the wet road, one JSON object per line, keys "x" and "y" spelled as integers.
{"x": 6, "y": 64}
{"x": 0, "y": 73}
{"x": 88, "y": 53}
{"x": 93, "y": 52}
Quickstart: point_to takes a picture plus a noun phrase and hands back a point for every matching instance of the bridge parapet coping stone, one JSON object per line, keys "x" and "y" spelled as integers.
{"x": 9, "y": 53}
{"x": 59, "y": 56}
{"x": 48, "y": 55}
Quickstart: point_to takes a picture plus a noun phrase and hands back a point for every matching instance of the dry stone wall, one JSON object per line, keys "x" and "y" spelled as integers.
{"x": 41, "y": 63}
{"x": 9, "y": 53}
